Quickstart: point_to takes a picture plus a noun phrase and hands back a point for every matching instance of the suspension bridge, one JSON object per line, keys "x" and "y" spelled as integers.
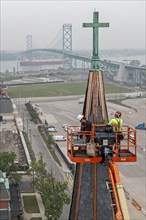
{"x": 118, "y": 71}
{"x": 69, "y": 58}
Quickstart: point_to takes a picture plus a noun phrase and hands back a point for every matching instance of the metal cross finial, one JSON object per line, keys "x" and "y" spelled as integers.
{"x": 95, "y": 25}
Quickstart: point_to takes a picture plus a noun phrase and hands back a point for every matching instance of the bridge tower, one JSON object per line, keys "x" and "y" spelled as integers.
{"x": 29, "y": 46}
{"x": 67, "y": 37}
{"x": 67, "y": 41}
{"x": 29, "y": 42}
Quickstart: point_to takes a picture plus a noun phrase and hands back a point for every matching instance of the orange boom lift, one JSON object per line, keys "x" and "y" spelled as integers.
{"x": 104, "y": 146}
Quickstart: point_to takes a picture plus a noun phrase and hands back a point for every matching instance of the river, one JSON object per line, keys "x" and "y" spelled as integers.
{"x": 11, "y": 66}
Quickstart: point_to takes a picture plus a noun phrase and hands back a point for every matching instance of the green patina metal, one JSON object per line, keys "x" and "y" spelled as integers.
{"x": 95, "y": 64}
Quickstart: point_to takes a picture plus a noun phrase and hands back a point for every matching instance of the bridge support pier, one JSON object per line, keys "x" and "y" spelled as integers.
{"x": 122, "y": 74}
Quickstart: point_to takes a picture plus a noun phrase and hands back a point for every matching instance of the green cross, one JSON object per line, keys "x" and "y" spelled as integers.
{"x": 95, "y": 25}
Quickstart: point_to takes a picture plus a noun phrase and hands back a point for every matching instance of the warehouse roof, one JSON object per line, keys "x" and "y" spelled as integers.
{"x": 6, "y": 105}
{"x": 3, "y": 86}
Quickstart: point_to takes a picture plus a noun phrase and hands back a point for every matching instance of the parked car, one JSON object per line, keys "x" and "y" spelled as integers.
{"x": 51, "y": 128}
{"x": 81, "y": 100}
{"x": 59, "y": 138}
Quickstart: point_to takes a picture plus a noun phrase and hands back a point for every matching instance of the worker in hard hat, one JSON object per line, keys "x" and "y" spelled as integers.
{"x": 117, "y": 121}
{"x": 85, "y": 125}
{"x": 117, "y": 124}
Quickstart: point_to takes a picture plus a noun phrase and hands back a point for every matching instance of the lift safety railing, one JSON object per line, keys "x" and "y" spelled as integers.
{"x": 125, "y": 151}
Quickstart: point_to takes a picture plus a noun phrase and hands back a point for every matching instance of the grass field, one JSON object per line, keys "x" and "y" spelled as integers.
{"x": 30, "y": 204}
{"x": 58, "y": 89}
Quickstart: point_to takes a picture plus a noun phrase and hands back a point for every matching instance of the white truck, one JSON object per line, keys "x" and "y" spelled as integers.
{"x": 59, "y": 138}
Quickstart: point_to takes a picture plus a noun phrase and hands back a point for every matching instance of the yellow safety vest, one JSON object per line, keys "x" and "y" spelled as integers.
{"x": 117, "y": 124}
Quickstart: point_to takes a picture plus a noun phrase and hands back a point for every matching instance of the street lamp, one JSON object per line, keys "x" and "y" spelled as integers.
{"x": 30, "y": 136}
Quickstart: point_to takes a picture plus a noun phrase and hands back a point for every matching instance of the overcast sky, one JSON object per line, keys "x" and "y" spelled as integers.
{"x": 44, "y": 19}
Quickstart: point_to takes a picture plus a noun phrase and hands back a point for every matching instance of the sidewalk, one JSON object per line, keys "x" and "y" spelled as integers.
{"x": 28, "y": 216}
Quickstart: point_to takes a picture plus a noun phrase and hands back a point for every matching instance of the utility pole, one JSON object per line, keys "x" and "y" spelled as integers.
{"x": 30, "y": 136}
{"x": 27, "y": 126}
{"x": 23, "y": 121}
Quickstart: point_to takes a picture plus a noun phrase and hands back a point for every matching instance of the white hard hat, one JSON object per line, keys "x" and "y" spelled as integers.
{"x": 79, "y": 117}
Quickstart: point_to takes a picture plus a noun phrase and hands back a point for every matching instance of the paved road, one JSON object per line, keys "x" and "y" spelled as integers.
{"x": 39, "y": 146}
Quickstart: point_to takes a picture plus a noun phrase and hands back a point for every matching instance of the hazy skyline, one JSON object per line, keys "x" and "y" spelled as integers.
{"x": 44, "y": 19}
